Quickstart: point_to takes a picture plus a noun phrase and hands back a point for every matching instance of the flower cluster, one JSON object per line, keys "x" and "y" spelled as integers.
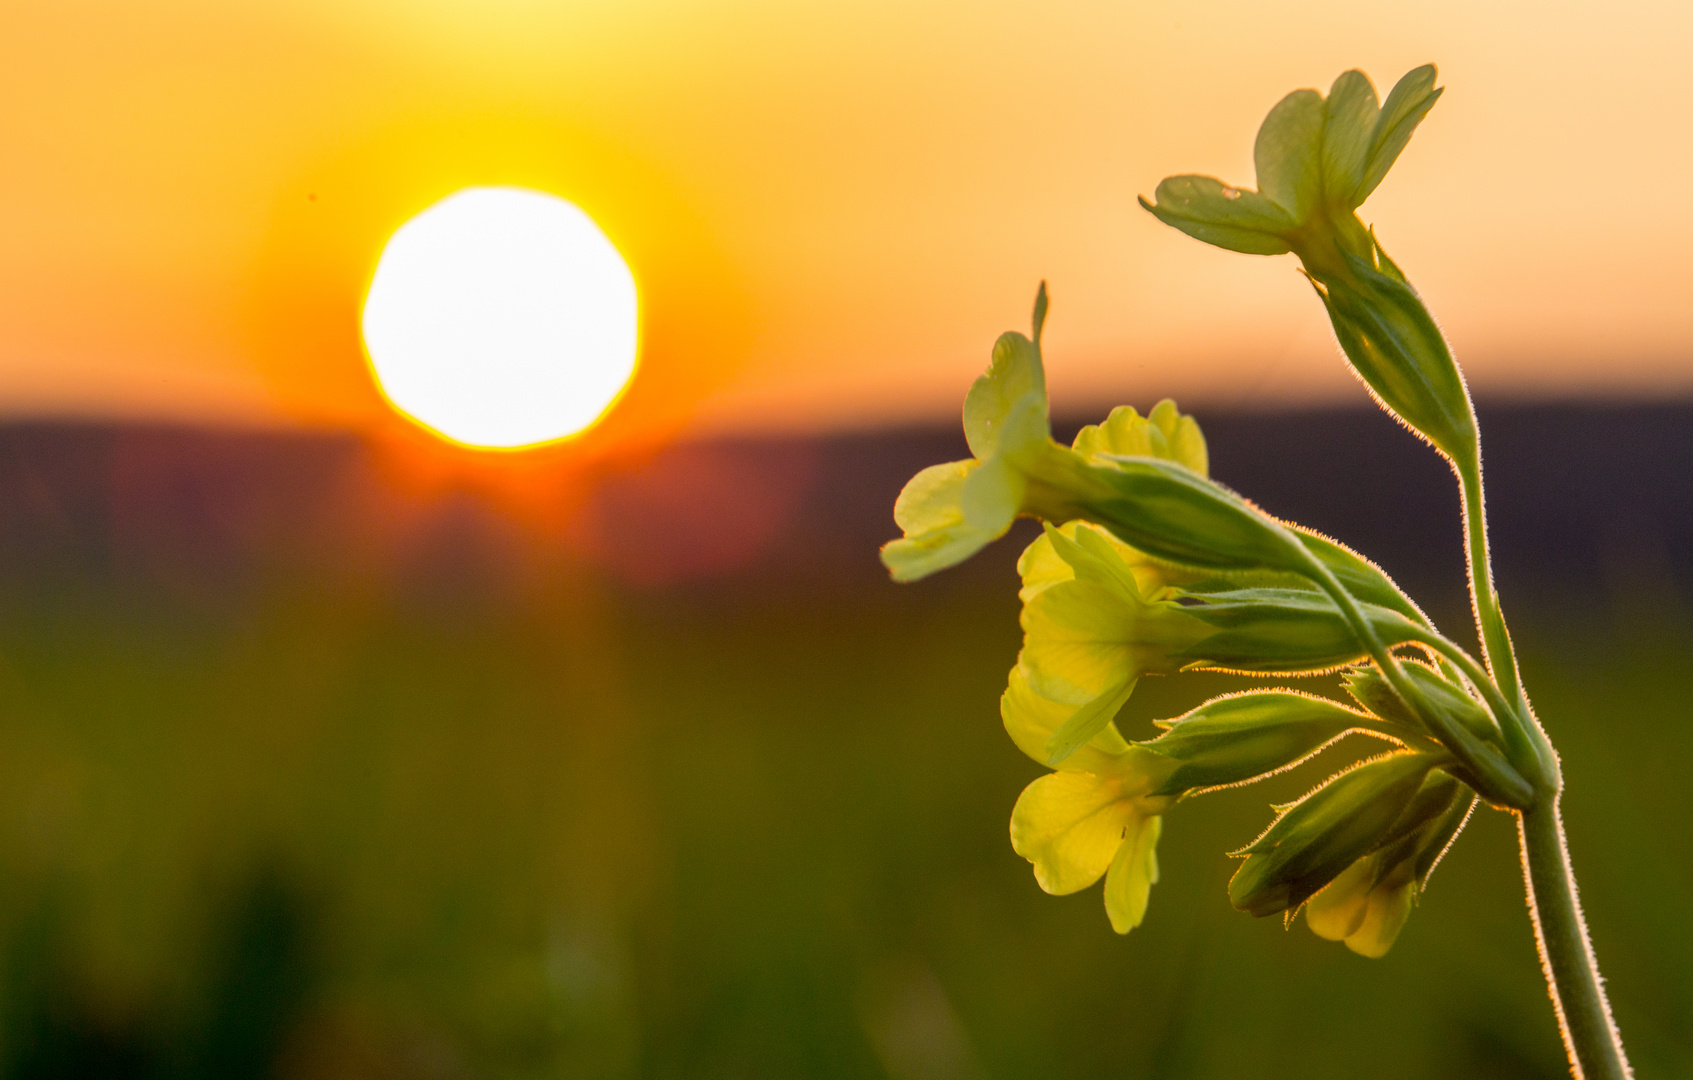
{"x": 1145, "y": 566}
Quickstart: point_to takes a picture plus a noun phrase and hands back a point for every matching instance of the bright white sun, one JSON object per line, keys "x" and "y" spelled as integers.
{"x": 501, "y": 318}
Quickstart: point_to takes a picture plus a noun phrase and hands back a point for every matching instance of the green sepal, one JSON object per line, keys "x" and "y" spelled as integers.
{"x": 1325, "y": 832}
{"x": 1241, "y": 737}
{"x": 1283, "y": 631}
{"x": 1437, "y": 837}
{"x": 1431, "y": 802}
{"x": 1399, "y": 352}
{"x": 1172, "y": 513}
{"x": 1366, "y": 581}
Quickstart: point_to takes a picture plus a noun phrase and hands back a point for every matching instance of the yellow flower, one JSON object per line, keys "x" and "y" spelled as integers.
{"x": 949, "y": 512}
{"x": 1097, "y": 613}
{"x": 1094, "y": 816}
{"x": 1089, "y": 633}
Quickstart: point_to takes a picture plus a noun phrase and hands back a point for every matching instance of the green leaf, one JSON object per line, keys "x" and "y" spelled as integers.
{"x": 1289, "y": 153}
{"x": 1325, "y": 832}
{"x": 1349, "y": 120}
{"x": 1207, "y": 209}
{"x": 1241, "y": 737}
{"x": 1409, "y": 101}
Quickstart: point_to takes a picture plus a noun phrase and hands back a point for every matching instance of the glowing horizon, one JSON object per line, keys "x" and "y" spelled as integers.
{"x": 832, "y": 209}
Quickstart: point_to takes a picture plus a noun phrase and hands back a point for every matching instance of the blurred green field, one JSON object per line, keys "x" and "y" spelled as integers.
{"x": 467, "y": 814}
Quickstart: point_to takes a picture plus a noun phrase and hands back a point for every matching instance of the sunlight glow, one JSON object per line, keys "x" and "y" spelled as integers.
{"x": 502, "y": 318}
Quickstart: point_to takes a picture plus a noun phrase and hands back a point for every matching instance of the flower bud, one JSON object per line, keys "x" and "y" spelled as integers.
{"x": 1399, "y": 352}
{"x": 1368, "y": 903}
{"x": 1322, "y": 834}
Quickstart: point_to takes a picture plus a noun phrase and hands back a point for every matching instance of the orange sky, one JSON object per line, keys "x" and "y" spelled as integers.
{"x": 832, "y": 208}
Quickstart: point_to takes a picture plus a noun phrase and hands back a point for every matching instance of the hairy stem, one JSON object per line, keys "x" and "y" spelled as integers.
{"x": 1490, "y": 620}
{"x": 1503, "y": 783}
{"x": 1572, "y": 973}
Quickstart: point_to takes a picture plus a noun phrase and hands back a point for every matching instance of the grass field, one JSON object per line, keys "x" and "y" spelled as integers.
{"x": 281, "y": 794}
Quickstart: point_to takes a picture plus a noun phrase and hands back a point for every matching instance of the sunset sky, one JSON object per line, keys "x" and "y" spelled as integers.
{"x": 831, "y": 208}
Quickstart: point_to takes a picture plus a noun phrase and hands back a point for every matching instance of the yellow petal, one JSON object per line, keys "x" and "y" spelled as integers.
{"x": 1163, "y": 433}
{"x": 1070, "y": 826}
{"x": 1124, "y": 434}
{"x": 1389, "y": 907}
{"x": 1041, "y": 566}
{"x": 933, "y": 499}
{"x": 1078, "y": 642}
{"x": 1187, "y": 446}
{"x": 992, "y": 496}
{"x": 1014, "y": 376}
{"x": 1031, "y": 719}
{"x": 1338, "y": 911}
{"x": 1134, "y": 871}
{"x": 931, "y": 512}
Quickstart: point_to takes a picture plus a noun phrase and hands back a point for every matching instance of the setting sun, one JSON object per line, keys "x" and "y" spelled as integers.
{"x": 502, "y": 318}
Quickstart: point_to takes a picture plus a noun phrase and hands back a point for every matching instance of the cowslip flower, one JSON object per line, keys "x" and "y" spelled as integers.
{"x": 1095, "y": 816}
{"x": 1317, "y": 160}
{"x": 1097, "y": 614}
{"x": 949, "y": 512}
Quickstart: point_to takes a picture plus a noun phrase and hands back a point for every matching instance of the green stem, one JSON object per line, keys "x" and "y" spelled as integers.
{"x": 1490, "y": 619}
{"x": 1572, "y": 973}
{"x": 1503, "y": 783}
{"x": 1516, "y": 739}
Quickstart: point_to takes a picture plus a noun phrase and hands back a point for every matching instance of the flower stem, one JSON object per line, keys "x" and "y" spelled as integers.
{"x": 1490, "y": 619}
{"x": 1566, "y": 955}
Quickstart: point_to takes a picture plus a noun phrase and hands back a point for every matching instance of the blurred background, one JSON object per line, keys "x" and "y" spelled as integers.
{"x": 328, "y": 749}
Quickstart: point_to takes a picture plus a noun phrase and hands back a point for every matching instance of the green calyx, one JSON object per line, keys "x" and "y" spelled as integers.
{"x": 1243, "y": 737}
